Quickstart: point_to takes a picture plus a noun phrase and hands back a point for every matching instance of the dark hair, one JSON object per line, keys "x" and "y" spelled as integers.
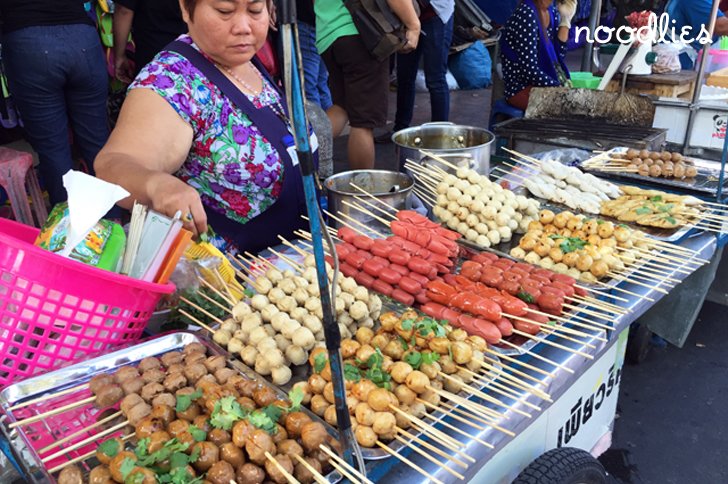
{"x": 190, "y": 6}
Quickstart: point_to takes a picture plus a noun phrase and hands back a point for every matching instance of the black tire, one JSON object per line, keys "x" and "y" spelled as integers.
{"x": 566, "y": 465}
{"x": 638, "y": 344}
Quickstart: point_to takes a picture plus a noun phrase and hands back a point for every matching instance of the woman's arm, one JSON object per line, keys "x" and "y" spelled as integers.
{"x": 149, "y": 143}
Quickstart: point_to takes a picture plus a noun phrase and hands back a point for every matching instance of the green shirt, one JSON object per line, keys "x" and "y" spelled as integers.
{"x": 333, "y": 20}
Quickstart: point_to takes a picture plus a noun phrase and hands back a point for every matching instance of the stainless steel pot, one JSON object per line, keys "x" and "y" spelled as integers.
{"x": 456, "y": 143}
{"x": 389, "y": 187}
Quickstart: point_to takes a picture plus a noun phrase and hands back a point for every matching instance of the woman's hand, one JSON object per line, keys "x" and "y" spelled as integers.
{"x": 169, "y": 194}
{"x": 411, "y": 39}
{"x": 567, "y": 10}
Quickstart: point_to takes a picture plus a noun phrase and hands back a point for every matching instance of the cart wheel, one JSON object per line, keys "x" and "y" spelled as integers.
{"x": 567, "y": 465}
{"x": 638, "y": 345}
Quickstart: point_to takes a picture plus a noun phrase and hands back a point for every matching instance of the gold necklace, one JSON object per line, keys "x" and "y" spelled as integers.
{"x": 277, "y": 107}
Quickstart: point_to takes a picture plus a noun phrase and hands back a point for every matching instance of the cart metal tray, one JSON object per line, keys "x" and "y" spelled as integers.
{"x": 706, "y": 182}
{"x": 24, "y": 441}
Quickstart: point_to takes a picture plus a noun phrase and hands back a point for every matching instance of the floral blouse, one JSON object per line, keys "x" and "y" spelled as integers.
{"x": 236, "y": 170}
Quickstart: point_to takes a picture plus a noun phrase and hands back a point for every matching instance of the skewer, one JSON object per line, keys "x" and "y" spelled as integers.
{"x": 281, "y": 469}
{"x": 477, "y": 417}
{"x": 537, "y": 356}
{"x": 557, "y": 328}
{"x": 222, "y": 282}
{"x": 585, "y": 323}
{"x": 609, "y": 317}
{"x": 363, "y": 210}
{"x": 460, "y": 431}
{"x": 558, "y": 318}
{"x": 344, "y": 473}
{"x": 518, "y": 362}
{"x": 632, "y": 256}
{"x": 608, "y": 295}
{"x": 456, "y": 417}
{"x": 357, "y": 187}
{"x": 425, "y": 198}
{"x": 353, "y": 220}
{"x": 370, "y": 204}
{"x": 424, "y": 428}
{"x": 343, "y": 223}
{"x": 656, "y": 273}
{"x": 196, "y": 321}
{"x": 491, "y": 384}
{"x": 81, "y": 458}
{"x": 79, "y": 432}
{"x": 481, "y": 378}
{"x": 316, "y": 474}
{"x": 625, "y": 291}
{"x": 675, "y": 249}
{"x": 202, "y": 310}
{"x": 222, "y": 296}
{"x": 47, "y": 397}
{"x": 472, "y": 406}
{"x": 293, "y": 246}
{"x": 296, "y": 266}
{"x": 409, "y": 463}
{"x": 50, "y": 413}
{"x": 476, "y": 411}
{"x": 432, "y": 432}
{"x": 429, "y": 457}
{"x": 484, "y": 396}
{"x": 439, "y": 159}
{"x": 85, "y": 441}
{"x": 599, "y": 304}
{"x": 510, "y": 390}
{"x": 653, "y": 286}
{"x": 252, "y": 267}
{"x": 208, "y": 298}
{"x": 501, "y": 371}
{"x": 434, "y": 449}
{"x": 521, "y": 155}
{"x": 551, "y": 343}
{"x": 261, "y": 260}
{"x": 551, "y": 331}
{"x": 421, "y": 172}
{"x": 417, "y": 167}
{"x": 337, "y": 458}
{"x": 245, "y": 278}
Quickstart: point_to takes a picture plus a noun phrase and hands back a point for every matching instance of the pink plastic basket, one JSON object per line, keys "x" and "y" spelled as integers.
{"x": 54, "y": 310}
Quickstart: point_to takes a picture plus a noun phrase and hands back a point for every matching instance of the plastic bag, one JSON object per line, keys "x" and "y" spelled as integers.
{"x": 471, "y": 67}
{"x": 668, "y": 58}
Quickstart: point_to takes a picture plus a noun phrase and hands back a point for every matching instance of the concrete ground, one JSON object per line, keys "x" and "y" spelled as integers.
{"x": 672, "y": 423}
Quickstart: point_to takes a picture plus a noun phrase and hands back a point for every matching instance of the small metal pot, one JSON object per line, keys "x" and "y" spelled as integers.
{"x": 456, "y": 143}
{"x": 389, "y": 187}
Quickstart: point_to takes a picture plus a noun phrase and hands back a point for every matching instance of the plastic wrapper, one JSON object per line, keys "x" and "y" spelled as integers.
{"x": 668, "y": 58}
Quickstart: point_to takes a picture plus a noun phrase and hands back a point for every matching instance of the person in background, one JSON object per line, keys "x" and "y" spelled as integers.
{"x": 316, "y": 77}
{"x": 437, "y": 24}
{"x": 154, "y": 24}
{"x": 695, "y": 14}
{"x": 359, "y": 83}
{"x": 533, "y": 47}
{"x": 57, "y": 75}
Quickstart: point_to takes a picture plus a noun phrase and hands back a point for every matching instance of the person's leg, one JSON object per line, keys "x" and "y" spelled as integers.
{"x": 360, "y": 149}
{"x": 338, "y": 118}
{"x": 337, "y": 112}
{"x": 323, "y": 85}
{"x": 87, "y": 90}
{"x": 310, "y": 61}
{"x": 33, "y": 59}
{"x": 407, "y": 65}
{"x": 436, "y": 44}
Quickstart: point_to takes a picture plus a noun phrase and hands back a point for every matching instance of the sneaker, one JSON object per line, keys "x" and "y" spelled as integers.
{"x": 384, "y": 138}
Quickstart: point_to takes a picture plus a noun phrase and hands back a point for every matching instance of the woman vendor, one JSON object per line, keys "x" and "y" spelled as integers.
{"x": 533, "y": 48}
{"x": 204, "y": 131}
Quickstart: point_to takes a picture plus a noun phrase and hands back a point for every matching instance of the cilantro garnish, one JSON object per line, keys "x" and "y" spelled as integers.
{"x": 671, "y": 220}
{"x": 170, "y": 447}
{"x": 296, "y": 398}
{"x": 142, "y": 450}
{"x": 110, "y": 447}
{"x": 430, "y": 358}
{"x": 261, "y": 420}
{"x": 657, "y": 198}
{"x": 414, "y": 359}
{"x": 407, "y": 324}
{"x": 184, "y": 401}
{"x": 319, "y": 362}
{"x": 425, "y": 326}
{"x": 227, "y": 411}
{"x": 352, "y": 373}
{"x": 403, "y": 342}
{"x": 376, "y": 359}
{"x": 127, "y": 465}
{"x": 572, "y": 244}
{"x": 197, "y": 433}
{"x": 643, "y": 211}
{"x": 525, "y": 297}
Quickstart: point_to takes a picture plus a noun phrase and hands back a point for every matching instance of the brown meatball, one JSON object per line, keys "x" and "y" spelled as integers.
{"x": 294, "y": 422}
{"x": 215, "y": 362}
{"x": 302, "y": 473}
{"x": 108, "y": 395}
{"x": 149, "y": 477}
{"x": 250, "y": 474}
{"x": 132, "y": 385}
{"x": 154, "y": 375}
{"x": 129, "y": 402}
{"x": 274, "y": 473}
{"x": 192, "y": 412}
{"x": 115, "y": 464}
{"x": 193, "y": 358}
{"x": 223, "y": 374}
{"x": 257, "y": 444}
{"x": 313, "y": 434}
{"x": 221, "y": 472}
{"x": 247, "y": 387}
{"x": 149, "y": 363}
{"x": 280, "y": 434}
{"x": 194, "y": 348}
{"x": 98, "y": 381}
{"x": 176, "y": 427}
{"x": 112, "y": 449}
{"x": 176, "y": 368}
{"x": 247, "y": 403}
{"x": 207, "y": 381}
{"x": 186, "y": 438}
{"x": 264, "y": 396}
{"x": 319, "y": 405}
{"x": 194, "y": 372}
{"x": 165, "y": 399}
{"x": 174, "y": 382}
{"x": 229, "y": 452}
{"x": 209, "y": 454}
{"x": 124, "y": 373}
{"x": 151, "y": 390}
{"x": 290, "y": 447}
{"x": 202, "y": 423}
{"x": 171, "y": 358}
{"x": 147, "y": 426}
{"x": 219, "y": 437}
{"x": 234, "y": 380}
{"x": 71, "y": 475}
{"x": 138, "y": 412}
{"x": 157, "y": 440}
{"x": 241, "y": 431}
{"x": 100, "y": 475}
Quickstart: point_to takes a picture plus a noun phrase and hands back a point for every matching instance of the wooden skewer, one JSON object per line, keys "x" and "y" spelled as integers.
{"x": 344, "y": 223}
{"x": 316, "y": 474}
{"x": 381, "y": 202}
{"x": 612, "y": 296}
{"x": 497, "y": 388}
{"x": 428, "y": 177}
{"x": 476, "y": 416}
{"x": 456, "y": 417}
{"x": 676, "y": 249}
{"x": 439, "y": 159}
{"x": 599, "y": 303}
{"x": 409, "y": 463}
{"x": 281, "y": 469}
{"x": 48, "y": 397}
{"x": 551, "y": 343}
{"x": 552, "y": 331}
{"x": 375, "y": 207}
{"x": 349, "y": 224}
{"x": 434, "y": 449}
{"x": 196, "y": 321}
{"x": 344, "y": 473}
{"x": 557, "y": 328}
{"x": 82, "y": 458}
{"x": 50, "y": 413}
{"x": 556, "y": 318}
{"x": 432, "y": 432}
{"x": 245, "y": 278}
{"x": 345, "y": 464}
{"x": 429, "y": 457}
{"x": 483, "y": 379}
{"x": 537, "y": 356}
{"x": 202, "y": 310}
{"x": 631, "y": 280}
{"x": 608, "y": 317}
{"x": 83, "y": 442}
{"x": 475, "y": 410}
{"x": 585, "y": 323}
{"x": 520, "y": 363}
{"x": 510, "y": 390}
{"x": 205, "y": 296}
{"x": 296, "y": 266}
{"x": 460, "y": 431}
{"x": 648, "y": 270}
{"x": 79, "y": 432}
{"x": 625, "y": 291}
{"x": 425, "y": 197}
{"x": 432, "y": 170}
{"x": 366, "y": 211}
{"x": 499, "y": 371}
{"x": 222, "y": 282}
{"x": 484, "y": 396}
{"x": 475, "y": 407}
{"x": 261, "y": 260}
{"x": 222, "y": 296}
{"x": 634, "y": 257}
{"x": 522, "y": 156}
{"x": 426, "y": 191}
{"x": 426, "y": 429}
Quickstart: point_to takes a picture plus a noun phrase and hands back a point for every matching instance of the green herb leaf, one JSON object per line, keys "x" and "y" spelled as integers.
{"x": 296, "y": 398}
{"x": 407, "y": 324}
{"x": 414, "y": 359}
{"x": 319, "y": 362}
{"x": 110, "y": 447}
{"x": 671, "y": 220}
{"x": 643, "y": 211}
{"x": 273, "y": 412}
{"x": 351, "y": 373}
{"x": 226, "y": 412}
{"x": 667, "y": 207}
{"x": 556, "y": 236}
{"x": 376, "y": 359}
{"x": 198, "y": 434}
{"x": 551, "y": 323}
{"x": 403, "y": 342}
{"x": 261, "y": 420}
{"x": 127, "y": 465}
{"x": 526, "y": 297}
{"x": 180, "y": 459}
{"x": 195, "y": 455}
{"x": 657, "y": 198}
{"x": 184, "y": 401}
{"x": 600, "y": 221}
{"x": 137, "y": 478}
{"x": 163, "y": 454}
{"x": 142, "y": 448}
{"x": 430, "y": 358}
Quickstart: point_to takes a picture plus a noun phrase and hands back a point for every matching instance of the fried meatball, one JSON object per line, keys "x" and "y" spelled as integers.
{"x": 149, "y": 363}
{"x": 257, "y": 444}
{"x": 165, "y": 399}
{"x": 177, "y": 427}
{"x": 229, "y": 452}
{"x": 100, "y": 475}
{"x": 219, "y": 437}
{"x": 192, "y": 412}
{"x": 242, "y": 430}
{"x": 163, "y": 412}
{"x": 208, "y": 455}
{"x": 151, "y": 390}
{"x": 250, "y": 474}
{"x": 222, "y": 374}
{"x": 147, "y": 426}
{"x": 113, "y": 449}
{"x": 194, "y": 348}
{"x": 130, "y": 401}
{"x": 264, "y": 396}
{"x": 157, "y": 440}
{"x": 215, "y": 362}
{"x": 109, "y": 395}
{"x": 194, "y": 372}
{"x": 303, "y": 474}
{"x": 274, "y": 472}
{"x": 99, "y": 381}
{"x": 193, "y": 358}
{"x": 117, "y": 461}
{"x": 295, "y": 422}
{"x": 71, "y": 475}
{"x": 153, "y": 375}
{"x": 138, "y": 412}
{"x": 124, "y": 373}
{"x": 221, "y": 472}
{"x": 313, "y": 434}
{"x": 171, "y": 358}
{"x": 174, "y": 382}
